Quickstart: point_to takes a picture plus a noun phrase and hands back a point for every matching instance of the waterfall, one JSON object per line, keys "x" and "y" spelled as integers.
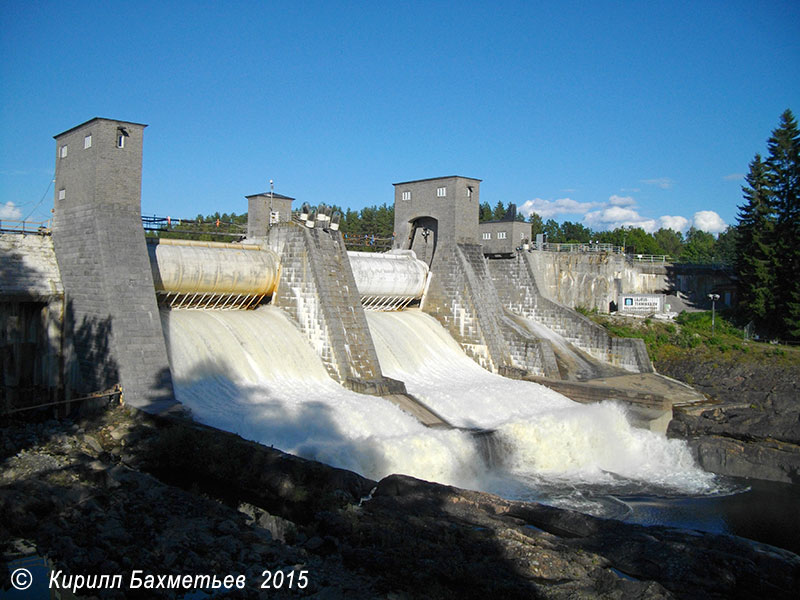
{"x": 253, "y": 373}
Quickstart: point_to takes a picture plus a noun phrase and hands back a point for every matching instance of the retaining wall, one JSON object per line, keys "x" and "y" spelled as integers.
{"x": 518, "y": 291}
{"x": 317, "y": 289}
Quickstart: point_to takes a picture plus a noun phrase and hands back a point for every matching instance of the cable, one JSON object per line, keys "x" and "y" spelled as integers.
{"x": 52, "y": 181}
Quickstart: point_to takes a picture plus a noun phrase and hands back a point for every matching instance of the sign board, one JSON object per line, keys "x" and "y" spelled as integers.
{"x": 640, "y": 304}
{"x": 273, "y": 217}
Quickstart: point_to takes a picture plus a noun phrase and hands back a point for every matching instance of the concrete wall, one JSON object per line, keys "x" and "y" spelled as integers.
{"x": 111, "y": 313}
{"x": 518, "y": 291}
{"x": 462, "y": 297}
{"x": 317, "y": 290}
{"x": 595, "y": 279}
{"x": 31, "y": 309}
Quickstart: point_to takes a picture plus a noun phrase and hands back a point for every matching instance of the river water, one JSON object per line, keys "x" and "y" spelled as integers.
{"x": 252, "y": 373}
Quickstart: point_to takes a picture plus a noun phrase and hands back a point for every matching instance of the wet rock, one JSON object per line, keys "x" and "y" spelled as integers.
{"x": 754, "y": 430}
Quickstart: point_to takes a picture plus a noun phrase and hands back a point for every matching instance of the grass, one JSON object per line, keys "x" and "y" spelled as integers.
{"x": 690, "y": 334}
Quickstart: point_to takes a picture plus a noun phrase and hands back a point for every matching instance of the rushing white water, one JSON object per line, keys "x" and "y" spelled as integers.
{"x": 544, "y": 435}
{"x": 252, "y": 372}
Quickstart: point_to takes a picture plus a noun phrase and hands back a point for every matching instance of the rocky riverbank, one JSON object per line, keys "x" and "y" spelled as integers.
{"x": 124, "y": 491}
{"x": 753, "y": 429}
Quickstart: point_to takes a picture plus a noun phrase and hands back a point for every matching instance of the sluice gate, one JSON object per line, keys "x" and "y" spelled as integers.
{"x": 190, "y": 274}
{"x": 217, "y": 275}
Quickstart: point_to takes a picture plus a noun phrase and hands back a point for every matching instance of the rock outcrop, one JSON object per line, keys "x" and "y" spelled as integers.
{"x": 130, "y": 491}
{"x": 753, "y": 430}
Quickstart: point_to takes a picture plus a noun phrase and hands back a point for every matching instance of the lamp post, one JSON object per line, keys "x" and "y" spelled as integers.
{"x": 271, "y": 195}
{"x": 713, "y": 298}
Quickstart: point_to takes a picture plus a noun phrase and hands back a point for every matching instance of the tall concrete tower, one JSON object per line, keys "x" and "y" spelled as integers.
{"x": 111, "y": 313}
{"x": 432, "y": 212}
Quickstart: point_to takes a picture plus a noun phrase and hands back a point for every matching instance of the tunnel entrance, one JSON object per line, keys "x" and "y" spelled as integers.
{"x": 423, "y": 237}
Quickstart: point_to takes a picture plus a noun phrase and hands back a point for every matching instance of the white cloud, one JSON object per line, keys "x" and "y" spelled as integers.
{"x": 675, "y": 223}
{"x": 550, "y": 208}
{"x": 613, "y": 217}
{"x": 622, "y": 200}
{"x": 708, "y": 220}
{"x": 619, "y": 211}
{"x": 10, "y": 211}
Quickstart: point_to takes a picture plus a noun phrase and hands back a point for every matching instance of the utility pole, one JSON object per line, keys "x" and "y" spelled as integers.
{"x": 713, "y": 298}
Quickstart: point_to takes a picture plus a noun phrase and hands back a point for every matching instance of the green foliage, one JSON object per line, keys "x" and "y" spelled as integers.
{"x": 691, "y": 334}
{"x": 767, "y": 255}
{"x": 699, "y": 247}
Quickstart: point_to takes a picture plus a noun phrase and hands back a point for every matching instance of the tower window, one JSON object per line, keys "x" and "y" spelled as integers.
{"x": 63, "y": 151}
{"x": 87, "y": 141}
{"x": 62, "y": 194}
{"x": 501, "y": 235}
{"x": 441, "y": 192}
{"x": 122, "y": 133}
{"x": 406, "y": 195}
{"x": 487, "y": 235}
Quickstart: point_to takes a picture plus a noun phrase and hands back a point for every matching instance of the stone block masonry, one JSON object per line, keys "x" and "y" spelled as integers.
{"x": 513, "y": 278}
{"x": 111, "y": 315}
{"x": 463, "y": 299}
{"x": 317, "y": 290}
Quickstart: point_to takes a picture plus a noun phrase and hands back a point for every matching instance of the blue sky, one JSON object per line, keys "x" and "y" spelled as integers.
{"x": 605, "y": 113}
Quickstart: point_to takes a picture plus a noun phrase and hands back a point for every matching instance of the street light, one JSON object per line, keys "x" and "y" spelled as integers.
{"x": 713, "y": 298}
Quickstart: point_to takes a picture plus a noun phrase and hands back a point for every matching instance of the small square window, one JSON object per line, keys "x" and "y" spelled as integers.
{"x": 501, "y": 235}
{"x": 62, "y": 194}
{"x": 441, "y": 192}
{"x": 406, "y": 195}
{"x": 87, "y": 141}
{"x": 121, "y": 140}
{"x": 487, "y": 236}
{"x": 63, "y": 152}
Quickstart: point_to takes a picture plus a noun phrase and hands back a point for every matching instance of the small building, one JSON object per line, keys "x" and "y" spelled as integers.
{"x": 266, "y": 208}
{"x": 439, "y": 210}
{"x": 503, "y": 237}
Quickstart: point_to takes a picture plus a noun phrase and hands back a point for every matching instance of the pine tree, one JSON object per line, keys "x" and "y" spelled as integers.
{"x": 499, "y": 211}
{"x": 486, "y": 212}
{"x": 755, "y": 264}
{"x": 783, "y": 176}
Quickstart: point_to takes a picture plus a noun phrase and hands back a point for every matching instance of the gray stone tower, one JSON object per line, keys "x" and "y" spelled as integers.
{"x": 430, "y": 212}
{"x": 111, "y": 313}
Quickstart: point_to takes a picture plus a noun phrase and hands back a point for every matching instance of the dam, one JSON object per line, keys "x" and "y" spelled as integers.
{"x": 434, "y": 360}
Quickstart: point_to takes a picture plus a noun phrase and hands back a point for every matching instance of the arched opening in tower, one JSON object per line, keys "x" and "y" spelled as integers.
{"x": 423, "y": 237}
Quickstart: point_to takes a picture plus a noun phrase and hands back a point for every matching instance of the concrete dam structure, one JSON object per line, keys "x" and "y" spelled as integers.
{"x": 375, "y": 362}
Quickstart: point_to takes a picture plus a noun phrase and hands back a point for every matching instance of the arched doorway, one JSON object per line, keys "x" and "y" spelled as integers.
{"x": 423, "y": 237}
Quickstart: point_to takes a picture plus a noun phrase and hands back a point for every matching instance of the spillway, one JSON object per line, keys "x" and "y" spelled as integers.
{"x": 545, "y": 437}
{"x": 252, "y": 373}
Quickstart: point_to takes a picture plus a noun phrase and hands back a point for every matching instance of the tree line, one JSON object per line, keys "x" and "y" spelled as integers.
{"x": 767, "y": 244}
{"x": 696, "y": 246}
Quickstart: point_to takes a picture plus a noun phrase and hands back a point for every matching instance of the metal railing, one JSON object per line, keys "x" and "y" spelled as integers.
{"x": 193, "y": 227}
{"x": 12, "y": 226}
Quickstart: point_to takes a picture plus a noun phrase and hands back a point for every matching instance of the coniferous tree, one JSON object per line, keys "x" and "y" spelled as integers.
{"x": 755, "y": 257}
{"x": 486, "y": 212}
{"x": 783, "y": 177}
{"x": 499, "y": 211}
{"x": 537, "y": 225}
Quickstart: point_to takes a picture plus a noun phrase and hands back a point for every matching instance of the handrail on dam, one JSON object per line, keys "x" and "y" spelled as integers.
{"x": 14, "y": 226}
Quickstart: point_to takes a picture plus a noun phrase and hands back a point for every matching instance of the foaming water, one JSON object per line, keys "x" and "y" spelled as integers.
{"x": 548, "y": 442}
{"x": 252, "y": 373}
